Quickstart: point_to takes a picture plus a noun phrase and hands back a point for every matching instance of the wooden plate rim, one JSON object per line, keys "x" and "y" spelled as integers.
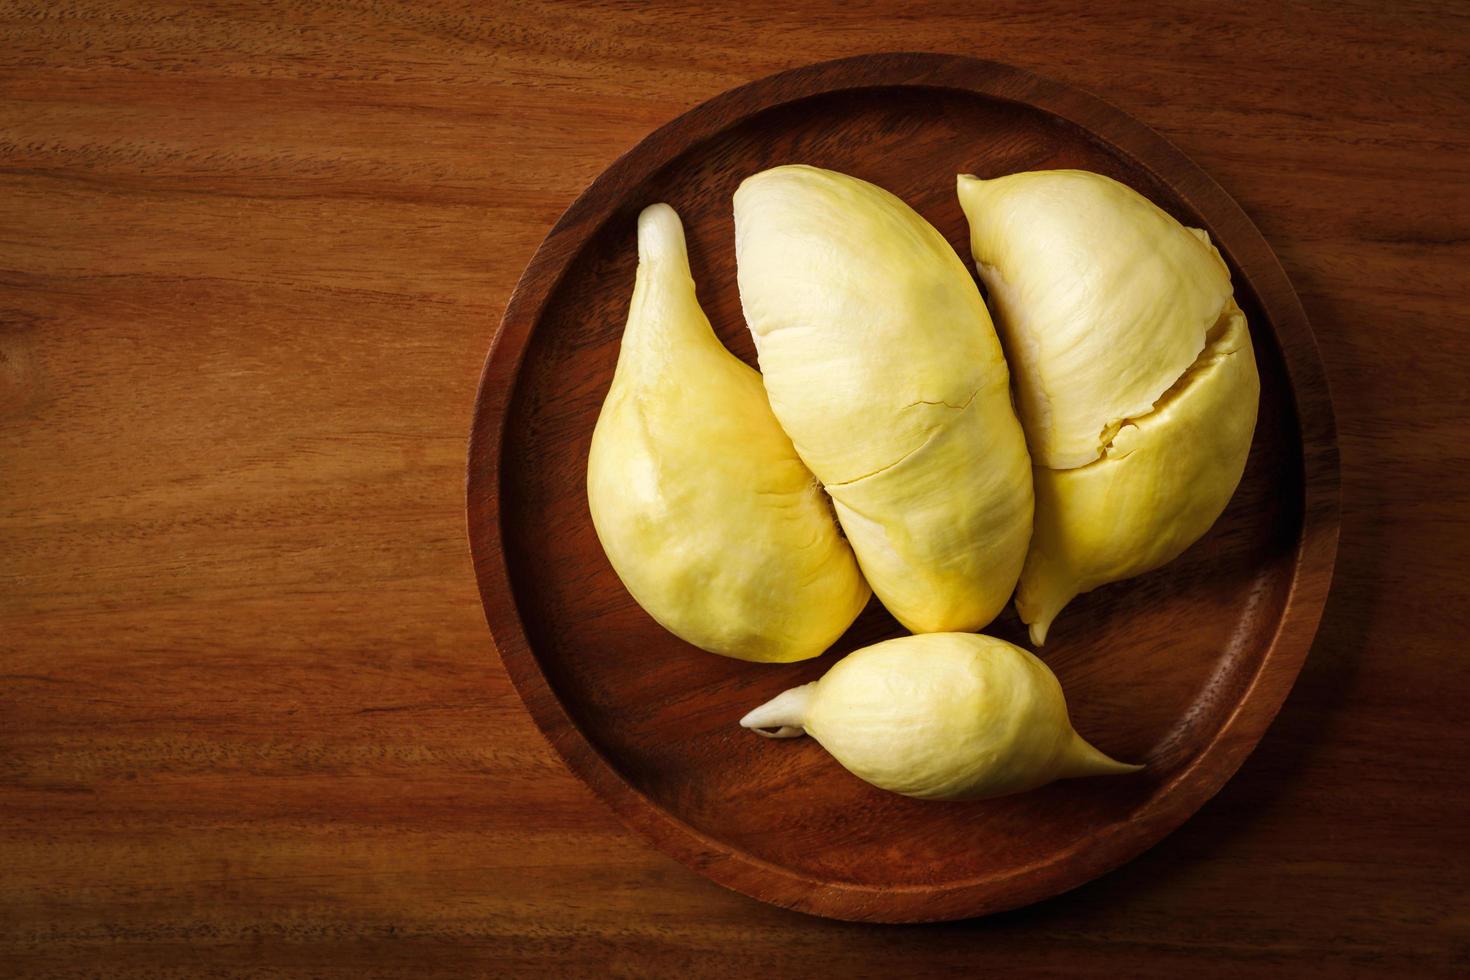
{"x": 1173, "y": 802}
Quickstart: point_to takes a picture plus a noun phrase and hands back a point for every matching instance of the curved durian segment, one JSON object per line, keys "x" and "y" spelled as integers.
{"x": 882, "y": 364}
{"x": 1134, "y": 374}
{"x": 704, "y": 509}
{"x": 953, "y": 716}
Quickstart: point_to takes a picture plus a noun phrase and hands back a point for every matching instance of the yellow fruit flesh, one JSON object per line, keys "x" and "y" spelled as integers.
{"x": 1134, "y": 373}
{"x": 941, "y": 716}
{"x": 700, "y": 501}
{"x": 881, "y": 363}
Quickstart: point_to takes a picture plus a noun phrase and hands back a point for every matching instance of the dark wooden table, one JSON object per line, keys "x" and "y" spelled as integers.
{"x": 251, "y": 720}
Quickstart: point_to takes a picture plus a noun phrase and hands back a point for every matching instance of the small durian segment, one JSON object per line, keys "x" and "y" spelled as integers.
{"x": 1103, "y": 301}
{"x": 705, "y": 511}
{"x": 1163, "y": 480}
{"x": 953, "y": 716}
{"x": 882, "y": 364}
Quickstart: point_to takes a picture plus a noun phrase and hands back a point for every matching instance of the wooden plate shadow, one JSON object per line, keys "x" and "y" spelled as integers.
{"x": 1183, "y": 668}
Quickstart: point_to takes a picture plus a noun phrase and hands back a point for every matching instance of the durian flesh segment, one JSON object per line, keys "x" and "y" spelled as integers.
{"x": 882, "y": 364}
{"x": 1104, "y": 301}
{"x": 941, "y": 716}
{"x": 703, "y": 507}
{"x": 1163, "y": 480}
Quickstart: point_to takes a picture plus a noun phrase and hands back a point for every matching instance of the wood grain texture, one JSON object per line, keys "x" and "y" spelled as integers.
{"x": 1182, "y": 669}
{"x": 250, "y": 258}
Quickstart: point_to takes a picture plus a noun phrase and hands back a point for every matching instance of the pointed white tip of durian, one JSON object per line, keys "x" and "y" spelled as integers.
{"x": 783, "y": 716}
{"x": 661, "y": 236}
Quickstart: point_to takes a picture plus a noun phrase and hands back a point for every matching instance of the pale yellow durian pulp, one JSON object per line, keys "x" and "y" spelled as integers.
{"x": 699, "y": 499}
{"x": 1134, "y": 375}
{"x": 954, "y": 716}
{"x": 882, "y": 364}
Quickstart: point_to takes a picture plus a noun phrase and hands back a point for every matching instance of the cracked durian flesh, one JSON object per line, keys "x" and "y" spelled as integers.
{"x": 1134, "y": 373}
{"x": 951, "y": 716}
{"x": 883, "y": 366}
{"x": 705, "y": 511}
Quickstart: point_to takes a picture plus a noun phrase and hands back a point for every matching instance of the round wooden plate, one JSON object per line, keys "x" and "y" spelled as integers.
{"x": 1183, "y": 668}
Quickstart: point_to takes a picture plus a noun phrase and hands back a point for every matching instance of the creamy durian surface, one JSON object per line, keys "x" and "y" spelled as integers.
{"x": 954, "y": 716}
{"x": 1133, "y": 369}
{"x": 705, "y": 511}
{"x": 883, "y": 366}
